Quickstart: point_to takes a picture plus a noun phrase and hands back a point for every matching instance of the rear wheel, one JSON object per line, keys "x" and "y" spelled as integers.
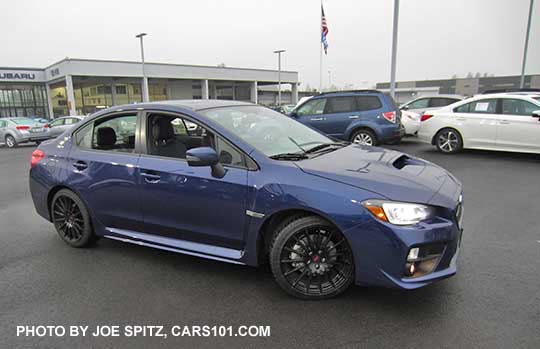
{"x": 71, "y": 219}
{"x": 11, "y": 142}
{"x": 364, "y": 137}
{"x": 311, "y": 259}
{"x": 449, "y": 141}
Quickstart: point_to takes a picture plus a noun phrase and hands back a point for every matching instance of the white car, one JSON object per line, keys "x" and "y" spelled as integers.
{"x": 501, "y": 121}
{"x": 414, "y": 109}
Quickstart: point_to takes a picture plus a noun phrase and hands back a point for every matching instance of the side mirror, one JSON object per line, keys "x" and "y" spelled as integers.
{"x": 404, "y": 107}
{"x": 293, "y": 114}
{"x": 536, "y": 114}
{"x": 205, "y": 156}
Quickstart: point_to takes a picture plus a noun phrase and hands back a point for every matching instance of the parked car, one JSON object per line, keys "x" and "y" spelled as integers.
{"x": 367, "y": 117}
{"x": 14, "y": 131}
{"x": 414, "y": 109}
{"x": 323, "y": 214}
{"x": 61, "y": 124}
{"x": 502, "y": 121}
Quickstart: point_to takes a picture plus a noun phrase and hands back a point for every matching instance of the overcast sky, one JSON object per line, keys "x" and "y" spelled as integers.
{"x": 437, "y": 38}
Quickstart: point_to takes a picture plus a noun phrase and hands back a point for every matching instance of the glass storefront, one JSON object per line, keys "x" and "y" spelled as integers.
{"x": 23, "y": 100}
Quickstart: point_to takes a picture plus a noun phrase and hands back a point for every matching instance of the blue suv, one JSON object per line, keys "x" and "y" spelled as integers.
{"x": 367, "y": 117}
{"x": 240, "y": 183}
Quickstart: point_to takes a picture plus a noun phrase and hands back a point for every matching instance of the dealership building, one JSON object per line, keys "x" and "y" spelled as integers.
{"x": 83, "y": 86}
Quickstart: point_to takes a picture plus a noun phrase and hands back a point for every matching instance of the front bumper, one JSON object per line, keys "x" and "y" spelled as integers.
{"x": 380, "y": 251}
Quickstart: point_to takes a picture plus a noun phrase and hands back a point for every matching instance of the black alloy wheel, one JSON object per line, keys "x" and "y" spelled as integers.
{"x": 311, "y": 259}
{"x": 71, "y": 219}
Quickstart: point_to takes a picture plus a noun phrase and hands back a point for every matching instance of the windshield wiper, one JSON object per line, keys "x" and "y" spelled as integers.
{"x": 289, "y": 156}
{"x": 324, "y": 145}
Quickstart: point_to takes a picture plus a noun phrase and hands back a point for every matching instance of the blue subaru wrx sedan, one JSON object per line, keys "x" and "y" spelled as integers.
{"x": 240, "y": 183}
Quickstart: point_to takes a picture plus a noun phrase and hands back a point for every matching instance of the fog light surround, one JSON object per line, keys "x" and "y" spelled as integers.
{"x": 422, "y": 260}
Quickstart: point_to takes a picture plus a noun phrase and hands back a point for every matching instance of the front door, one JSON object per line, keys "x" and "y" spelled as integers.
{"x": 518, "y": 130}
{"x": 188, "y": 203}
{"x": 102, "y": 166}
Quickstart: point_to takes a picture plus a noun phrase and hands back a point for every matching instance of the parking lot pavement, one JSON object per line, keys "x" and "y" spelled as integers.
{"x": 493, "y": 301}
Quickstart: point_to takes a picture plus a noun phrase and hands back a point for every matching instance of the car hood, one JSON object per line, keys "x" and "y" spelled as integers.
{"x": 390, "y": 174}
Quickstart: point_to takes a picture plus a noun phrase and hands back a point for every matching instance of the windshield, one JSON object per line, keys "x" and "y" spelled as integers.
{"x": 537, "y": 98}
{"x": 268, "y": 131}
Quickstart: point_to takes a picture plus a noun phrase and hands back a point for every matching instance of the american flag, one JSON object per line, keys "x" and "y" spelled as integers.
{"x": 324, "y": 31}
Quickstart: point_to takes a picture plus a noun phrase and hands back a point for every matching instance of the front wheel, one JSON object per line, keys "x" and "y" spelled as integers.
{"x": 71, "y": 219}
{"x": 364, "y": 137}
{"x": 311, "y": 259}
{"x": 448, "y": 141}
{"x": 11, "y": 142}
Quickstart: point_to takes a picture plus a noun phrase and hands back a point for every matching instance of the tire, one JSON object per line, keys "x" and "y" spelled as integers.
{"x": 364, "y": 137}
{"x": 311, "y": 259}
{"x": 11, "y": 142}
{"x": 72, "y": 220}
{"x": 448, "y": 141}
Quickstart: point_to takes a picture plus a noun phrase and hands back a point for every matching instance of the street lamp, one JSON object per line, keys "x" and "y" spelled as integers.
{"x": 279, "y": 52}
{"x": 145, "y": 79}
{"x": 522, "y": 79}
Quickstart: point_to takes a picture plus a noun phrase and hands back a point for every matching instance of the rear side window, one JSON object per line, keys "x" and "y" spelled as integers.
{"x": 58, "y": 122}
{"x": 2, "y": 123}
{"x": 484, "y": 106}
{"x": 341, "y": 105}
{"x": 365, "y": 103}
{"x": 112, "y": 134}
{"x": 441, "y": 102}
{"x": 312, "y": 107}
{"x": 71, "y": 121}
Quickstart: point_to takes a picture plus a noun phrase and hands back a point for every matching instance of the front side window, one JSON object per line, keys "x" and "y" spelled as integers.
{"x": 341, "y": 105}
{"x": 2, "y": 123}
{"x": 441, "y": 102}
{"x": 270, "y": 132}
{"x": 58, "y": 122}
{"x": 518, "y": 107}
{"x": 172, "y": 136}
{"x": 420, "y": 103}
{"x": 116, "y": 134}
{"x": 312, "y": 107}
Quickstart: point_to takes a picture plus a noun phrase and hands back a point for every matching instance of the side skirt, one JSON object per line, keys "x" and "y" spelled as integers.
{"x": 217, "y": 253}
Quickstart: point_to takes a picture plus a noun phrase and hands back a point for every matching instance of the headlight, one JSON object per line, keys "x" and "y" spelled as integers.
{"x": 398, "y": 213}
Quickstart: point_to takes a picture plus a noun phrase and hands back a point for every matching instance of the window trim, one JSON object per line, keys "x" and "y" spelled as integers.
{"x": 145, "y": 114}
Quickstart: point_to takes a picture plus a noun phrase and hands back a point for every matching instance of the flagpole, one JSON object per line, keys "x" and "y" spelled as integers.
{"x": 320, "y": 47}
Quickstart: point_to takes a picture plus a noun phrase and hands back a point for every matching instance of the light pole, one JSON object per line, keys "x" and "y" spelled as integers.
{"x": 522, "y": 81}
{"x": 145, "y": 79}
{"x": 394, "y": 50}
{"x": 329, "y": 80}
{"x": 279, "y": 52}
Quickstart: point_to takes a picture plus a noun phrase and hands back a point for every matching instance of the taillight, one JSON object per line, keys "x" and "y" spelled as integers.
{"x": 426, "y": 117}
{"x": 46, "y": 126}
{"x": 37, "y": 156}
{"x": 390, "y": 116}
{"x": 22, "y": 128}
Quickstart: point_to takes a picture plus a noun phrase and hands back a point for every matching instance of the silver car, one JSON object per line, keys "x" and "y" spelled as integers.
{"x": 59, "y": 125}
{"x": 14, "y": 131}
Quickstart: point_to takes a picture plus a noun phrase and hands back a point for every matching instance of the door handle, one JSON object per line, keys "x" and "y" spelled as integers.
{"x": 504, "y": 122}
{"x": 150, "y": 178}
{"x": 353, "y": 117}
{"x": 80, "y": 165}
{"x": 317, "y": 119}
{"x": 461, "y": 119}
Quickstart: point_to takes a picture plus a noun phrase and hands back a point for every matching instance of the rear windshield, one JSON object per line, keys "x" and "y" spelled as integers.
{"x": 23, "y": 121}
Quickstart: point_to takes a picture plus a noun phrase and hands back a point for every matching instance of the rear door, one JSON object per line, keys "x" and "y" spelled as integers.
{"x": 103, "y": 167}
{"x": 338, "y": 114}
{"x": 477, "y": 121}
{"x": 56, "y": 127}
{"x": 518, "y": 130}
{"x": 3, "y": 126}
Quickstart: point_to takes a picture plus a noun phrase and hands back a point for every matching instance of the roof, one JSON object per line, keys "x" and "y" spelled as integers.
{"x": 193, "y": 104}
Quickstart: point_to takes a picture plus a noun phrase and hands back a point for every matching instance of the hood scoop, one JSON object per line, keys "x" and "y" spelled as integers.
{"x": 403, "y": 161}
